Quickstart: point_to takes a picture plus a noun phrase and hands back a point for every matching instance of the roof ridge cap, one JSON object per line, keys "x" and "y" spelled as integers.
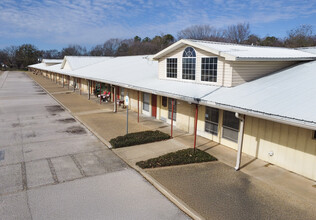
{"x": 243, "y": 45}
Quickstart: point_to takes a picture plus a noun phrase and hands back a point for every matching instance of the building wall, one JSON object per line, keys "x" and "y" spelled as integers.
{"x": 217, "y": 138}
{"x": 67, "y": 66}
{"x": 246, "y": 71}
{"x": 293, "y": 148}
{"x": 223, "y": 67}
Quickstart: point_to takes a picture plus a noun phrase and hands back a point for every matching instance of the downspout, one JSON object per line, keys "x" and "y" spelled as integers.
{"x": 240, "y": 139}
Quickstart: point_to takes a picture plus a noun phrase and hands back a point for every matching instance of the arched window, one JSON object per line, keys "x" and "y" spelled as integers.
{"x": 188, "y": 63}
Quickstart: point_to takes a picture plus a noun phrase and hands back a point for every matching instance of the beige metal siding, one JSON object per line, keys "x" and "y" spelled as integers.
{"x": 67, "y": 66}
{"x": 293, "y": 148}
{"x": 246, "y": 71}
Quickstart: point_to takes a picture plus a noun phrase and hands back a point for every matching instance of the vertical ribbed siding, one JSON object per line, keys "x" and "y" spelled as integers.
{"x": 243, "y": 71}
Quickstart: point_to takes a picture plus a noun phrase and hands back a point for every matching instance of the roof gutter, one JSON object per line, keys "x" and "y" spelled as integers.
{"x": 262, "y": 115}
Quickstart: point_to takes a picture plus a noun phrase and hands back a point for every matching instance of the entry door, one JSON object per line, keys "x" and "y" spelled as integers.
{"x": 154, "y": 106}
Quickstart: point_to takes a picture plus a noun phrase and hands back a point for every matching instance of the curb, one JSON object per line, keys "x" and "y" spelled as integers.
{"x": 164, "y": 191}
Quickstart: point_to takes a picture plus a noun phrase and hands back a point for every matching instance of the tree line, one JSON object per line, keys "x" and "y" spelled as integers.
{"x": 26, "y": 54}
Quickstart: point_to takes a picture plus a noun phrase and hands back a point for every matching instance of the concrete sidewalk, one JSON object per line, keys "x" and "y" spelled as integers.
{"x": 100, "y": 119}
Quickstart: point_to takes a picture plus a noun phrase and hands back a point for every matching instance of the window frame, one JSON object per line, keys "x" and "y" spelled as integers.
{"x": 189, "y": 65}
{"x": 314, "y": 135}
{"x": 212, "y": 123}
{"x": 171, "y": 74}
{"x": 174, "y": 109}
{"x": 233, "y": 129}
{"x": 122, "y": 92}
{"x": 145, "y": 104}
{"x": 204, "y": 69}
{"x": 164, "y": 101}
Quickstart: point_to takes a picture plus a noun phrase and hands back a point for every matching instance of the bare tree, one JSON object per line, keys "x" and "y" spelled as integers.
{"x": 271, "y": 41}
{"x": 51, "y": 54}
{"x": 10, "y": 58}
{"x": 301, "y": 36}
{"x": 111, "y": 46}
{"x": 253, "y": 40}
{"x": 201, "y": 32}
{"x": 74, "y": 50}
{"x": 237, "y": 33}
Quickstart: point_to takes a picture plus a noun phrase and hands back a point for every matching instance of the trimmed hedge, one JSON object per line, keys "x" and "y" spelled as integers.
{"x": 180, "y": 157}
{"x": 137, "y": 138}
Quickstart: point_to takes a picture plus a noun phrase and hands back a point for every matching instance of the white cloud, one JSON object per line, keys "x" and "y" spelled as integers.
{"x": 94, "y": 21}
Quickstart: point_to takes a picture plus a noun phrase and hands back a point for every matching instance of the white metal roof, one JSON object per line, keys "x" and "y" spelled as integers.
{"x": 141, "y": 72}
{"x": 288, "y": 93}
{"x": 77, "y": 62}
{"x": 235, "y": 52}
{"x": 286, "y": 96}
{"x": 308, "y": 49}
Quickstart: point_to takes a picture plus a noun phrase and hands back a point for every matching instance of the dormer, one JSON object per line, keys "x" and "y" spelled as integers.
{"x": 223, "y": 64}
{"x": 51, "y": 62}
{"x": 76, "y": 62}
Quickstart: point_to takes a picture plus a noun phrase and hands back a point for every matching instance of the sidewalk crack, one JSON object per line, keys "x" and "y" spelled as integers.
{"x": 78, "y": 165}
{"x": 52, "y": 170}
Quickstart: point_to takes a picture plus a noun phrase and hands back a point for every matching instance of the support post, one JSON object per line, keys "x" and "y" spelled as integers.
{"x": 63, "y": 81}
{"x": 195, "y": 123}
{"x": 74, "y": 83}
{"x": 91, "y": 86}
{"x": 137, "y": 106}
{"x": 68, "y": 82}
{"x": 115, "y": 100}
{"x": 127, "y": 114}
{"x": 172, "y": 103}
{"x": 79, "y": 86}
{"x": 89, "y": 89}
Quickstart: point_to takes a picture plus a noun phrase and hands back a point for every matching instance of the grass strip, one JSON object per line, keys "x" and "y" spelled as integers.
{"x": 137, "y": 138}
{"x": 186, "y": 156}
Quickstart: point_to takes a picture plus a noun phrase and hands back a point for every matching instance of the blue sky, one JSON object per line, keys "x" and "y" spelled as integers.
{"x": 54, "y": 24}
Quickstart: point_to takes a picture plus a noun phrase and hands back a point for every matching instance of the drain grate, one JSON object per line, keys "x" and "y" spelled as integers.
{"x": 1, "y": 154}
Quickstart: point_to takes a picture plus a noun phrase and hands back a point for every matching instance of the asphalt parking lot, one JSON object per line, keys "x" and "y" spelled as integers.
{"x": 216, "y": 191}
{"x": 52, "y": 167}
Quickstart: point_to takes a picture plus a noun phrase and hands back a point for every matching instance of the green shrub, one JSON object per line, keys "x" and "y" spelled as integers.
{"x": 185, "y": 156}
{"x": 138, "y": 138}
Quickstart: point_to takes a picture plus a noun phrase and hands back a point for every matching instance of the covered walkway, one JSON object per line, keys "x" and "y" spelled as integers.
{"x": 101, "y": 120}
